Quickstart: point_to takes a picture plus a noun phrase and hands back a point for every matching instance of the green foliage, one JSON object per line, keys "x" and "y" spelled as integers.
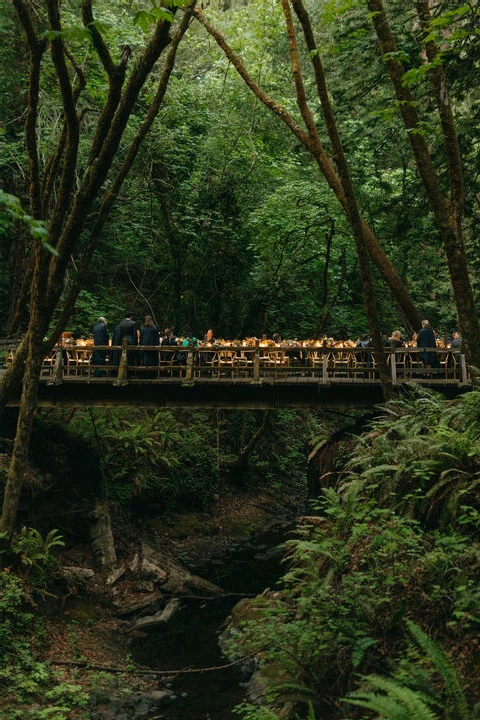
{"x": 154, "y": 460}
{"x": 390, "y": 700}
{"x": 29, "y": 689}
{"x": 421, "y": 456}
{"x": 11, "y": 210}
{"x": 363, "y": 568}
{"x": 393, "y": 699}
{"x": 33, "y": 550}
{"x": 35, "y": 557}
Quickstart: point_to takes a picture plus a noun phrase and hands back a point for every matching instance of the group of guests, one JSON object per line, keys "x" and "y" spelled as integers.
{"x": 149, "y": 335}
{"x": 425, "y": 340}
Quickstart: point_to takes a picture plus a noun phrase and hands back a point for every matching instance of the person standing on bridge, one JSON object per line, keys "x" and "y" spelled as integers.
{"x": 426, "y": 339}
{"x": 100, "y": 337}
{"x": 149, "y": 335}
{"x": 126, "y": 329}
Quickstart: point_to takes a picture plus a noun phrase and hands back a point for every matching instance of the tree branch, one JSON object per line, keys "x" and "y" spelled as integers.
{"x": 449, "y": 132}
{"x": 111, "y": 195}
{"x": 36, "y": 49}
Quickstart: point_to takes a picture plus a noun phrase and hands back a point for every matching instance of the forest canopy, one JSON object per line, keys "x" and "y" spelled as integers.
{"x": 223, "y": 215}
{"x": 312, "y": 171}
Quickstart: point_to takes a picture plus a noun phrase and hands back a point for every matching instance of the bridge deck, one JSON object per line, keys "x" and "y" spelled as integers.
{"x": 238, "y": 376}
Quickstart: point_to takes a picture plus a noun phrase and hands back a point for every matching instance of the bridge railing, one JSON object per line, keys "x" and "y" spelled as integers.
{"x": 257, "y": 363}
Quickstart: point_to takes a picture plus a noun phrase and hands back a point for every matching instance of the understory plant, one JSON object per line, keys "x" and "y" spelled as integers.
{"x": 29, "y": 689}
{"x": 421, "y": 456}
{"x": 432, "y": 691}
{"x": 375, "y": 565}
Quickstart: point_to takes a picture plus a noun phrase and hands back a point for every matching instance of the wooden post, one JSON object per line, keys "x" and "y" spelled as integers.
{"x": 122, "y": 377}
{"x": 463, "y": 368}
{"x": 256, "y": 364}
{"x": 325, "y": 366}
{"x": 393, "y": 365}
{"x": 57, "y": 375}
{"x": 189, "y": 370}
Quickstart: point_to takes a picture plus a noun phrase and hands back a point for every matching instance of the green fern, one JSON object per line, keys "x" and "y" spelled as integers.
{"x": 454, "y": 693}
{"x": 394, "y": 701}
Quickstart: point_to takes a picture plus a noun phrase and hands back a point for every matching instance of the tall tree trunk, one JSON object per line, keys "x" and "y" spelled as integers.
{"x": 67, "y": 214}
{"x": 448, "y": 211}
{"x": 352, "y": 210}
{"x": 28, "y": 401}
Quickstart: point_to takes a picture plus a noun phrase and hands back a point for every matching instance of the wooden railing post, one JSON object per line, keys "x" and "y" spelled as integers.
{"x": 57, "y": 375}
{"x": 463, "y": 369}
{"x": 393, "y": 365}
{"x": 189, "y": 370}
{"x": 325, "y": 366}
{"x": 122, "y": 377}
{"x": 256, "y": 363}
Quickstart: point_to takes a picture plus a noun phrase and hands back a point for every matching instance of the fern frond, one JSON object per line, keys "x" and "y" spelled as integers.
{"x": 445, "y": 669}
{"x": 395, "y": 702}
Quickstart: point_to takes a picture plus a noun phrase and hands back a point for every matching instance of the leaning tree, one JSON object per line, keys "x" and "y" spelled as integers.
{"x": 73, "y": 186}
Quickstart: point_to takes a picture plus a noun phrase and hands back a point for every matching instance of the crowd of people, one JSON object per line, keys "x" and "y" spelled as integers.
{"x": 148, "y": 335}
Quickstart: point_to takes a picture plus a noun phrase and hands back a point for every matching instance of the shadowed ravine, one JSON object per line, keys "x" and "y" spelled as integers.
{"x": 190, "y": 639}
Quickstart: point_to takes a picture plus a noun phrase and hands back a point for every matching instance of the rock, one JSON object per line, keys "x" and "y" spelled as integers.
{"x": 140, "y": 602}
{"x": 135, "y": 563}
{"x": 159, "y": 698}
{"x": 77, "y": 574}
{"x": 151, "y": 570}
{"x": 142, "y": 709}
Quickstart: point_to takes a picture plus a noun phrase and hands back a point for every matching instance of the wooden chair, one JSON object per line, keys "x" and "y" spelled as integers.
{"x": 47, "y": 365}
{"x": 226, "y": 362}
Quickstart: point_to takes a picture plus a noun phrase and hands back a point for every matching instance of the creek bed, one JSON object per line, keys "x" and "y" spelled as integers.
{"x": 190, "y": 639}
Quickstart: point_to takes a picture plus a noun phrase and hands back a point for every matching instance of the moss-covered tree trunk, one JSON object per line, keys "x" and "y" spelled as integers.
{"x": 446, "y": 208}
{"x": 62, "y": 196}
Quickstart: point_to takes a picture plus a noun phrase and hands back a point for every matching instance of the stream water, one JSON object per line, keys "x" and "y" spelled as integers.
{"x": 190, "y": 639}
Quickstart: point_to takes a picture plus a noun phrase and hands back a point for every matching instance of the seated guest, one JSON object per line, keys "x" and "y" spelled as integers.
{"x": 364, "y": 341}
{"x": 168, "y": 339}
{"x": 77, "y": 338}
{"x": 456, "y": 344}
{"x": 395, "y": 340}
{"x": 190, "y": 339}
{"x": 208, "y": 339}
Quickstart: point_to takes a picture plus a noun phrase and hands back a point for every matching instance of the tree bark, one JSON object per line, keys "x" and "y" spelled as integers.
{"x": 352, "y": 209}
{"x": 67, "y": 216}
{"x": 242, "y": 458}
{"x": 101, "y": 535}
{"x": 448, "y": 211}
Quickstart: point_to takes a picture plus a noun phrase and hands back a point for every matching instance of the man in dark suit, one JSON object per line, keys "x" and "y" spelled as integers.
{"x": 127, "y": 329}
{"x": 100, "y": 337}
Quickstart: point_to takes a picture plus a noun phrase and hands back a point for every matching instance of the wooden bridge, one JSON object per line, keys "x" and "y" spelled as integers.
{"x": 237, "y": 376}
